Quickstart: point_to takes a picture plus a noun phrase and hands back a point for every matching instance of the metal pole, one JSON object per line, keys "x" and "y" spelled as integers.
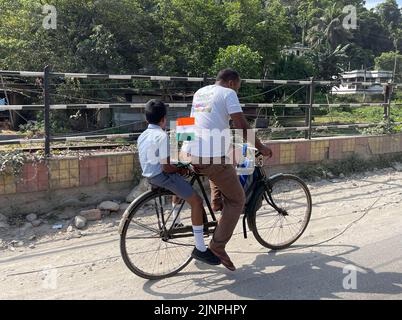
{"x": 309, "y": 111}
{"x": 306, "y": 116}
{"x": 391, "y": 89}
{"x": 205, "y": 79}
{"x": 10, "y": 112}
{"x": 387, "y": 101}
{"x": 47, "y": 109}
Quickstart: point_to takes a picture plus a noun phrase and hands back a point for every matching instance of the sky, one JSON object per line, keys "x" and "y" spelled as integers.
{"x": 372, "y": 3}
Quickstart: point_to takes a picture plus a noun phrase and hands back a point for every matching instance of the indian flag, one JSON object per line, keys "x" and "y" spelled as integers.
{"x": 185, "y": 129}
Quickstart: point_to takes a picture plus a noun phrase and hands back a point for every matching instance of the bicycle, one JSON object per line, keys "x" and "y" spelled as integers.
{"x": 273, "y": 204}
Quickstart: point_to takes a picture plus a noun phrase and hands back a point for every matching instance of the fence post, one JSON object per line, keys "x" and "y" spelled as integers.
{"x": 205, "y": 79}
{"x": 47, "y": 109}
{"x": 309, "y": 110}
{"x": 387, "y": 101}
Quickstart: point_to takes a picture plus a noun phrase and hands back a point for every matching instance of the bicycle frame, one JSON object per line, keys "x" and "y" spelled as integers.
{"x": 260, "y": 181}
{"x": 182, "y": 232}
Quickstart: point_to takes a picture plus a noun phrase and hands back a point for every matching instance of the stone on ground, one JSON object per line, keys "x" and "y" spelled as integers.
{"x": 109, "y": 205}
{"x": 36, "y": 223}
{"x": 80, "y": 222}
{"x": 91, "y": 215}
{"x": 31, "y": 217}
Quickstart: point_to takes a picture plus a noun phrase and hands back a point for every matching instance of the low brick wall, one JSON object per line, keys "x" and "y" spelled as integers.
{"x": 294, "y": 152}
{"x": 71, "y": 173}
{"x": 108, "y": 173}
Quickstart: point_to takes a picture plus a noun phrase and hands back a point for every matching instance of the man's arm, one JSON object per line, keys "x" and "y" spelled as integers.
{"x": 170, "y": 168}
{"x": 240, "y": 122}
{"x": 167, "y": 167}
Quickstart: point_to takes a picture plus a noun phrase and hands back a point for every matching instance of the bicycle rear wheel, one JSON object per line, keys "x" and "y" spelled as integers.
{"x": 277, "y": 228}
{"x": 146, "y": 249}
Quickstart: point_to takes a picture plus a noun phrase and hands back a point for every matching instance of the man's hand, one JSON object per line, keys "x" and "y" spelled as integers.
{"x": 265, "y": 151}
{"x": 240, "y": 122}
{"x": 183, "y": 171}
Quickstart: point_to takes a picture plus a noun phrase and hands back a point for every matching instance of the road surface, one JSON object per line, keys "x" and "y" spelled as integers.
{"x": 351, "y": 250}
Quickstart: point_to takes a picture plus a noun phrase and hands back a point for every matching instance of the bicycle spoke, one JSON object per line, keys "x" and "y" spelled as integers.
{"x": 146, "y": 250}
{"x": 278, "y": 228}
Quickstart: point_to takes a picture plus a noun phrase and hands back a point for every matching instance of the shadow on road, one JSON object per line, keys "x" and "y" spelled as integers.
{"x": 284, "y": 275}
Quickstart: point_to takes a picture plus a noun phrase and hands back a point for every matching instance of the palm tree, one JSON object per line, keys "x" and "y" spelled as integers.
{"x": 328, "y": 28}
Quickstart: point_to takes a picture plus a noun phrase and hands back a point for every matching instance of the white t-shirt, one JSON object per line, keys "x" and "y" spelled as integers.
{"x": 212, "y": 107}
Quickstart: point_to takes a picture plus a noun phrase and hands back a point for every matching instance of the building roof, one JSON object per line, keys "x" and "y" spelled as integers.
{"x": 367, "y": 74}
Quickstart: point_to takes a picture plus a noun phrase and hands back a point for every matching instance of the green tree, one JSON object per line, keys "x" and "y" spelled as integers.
{"x": 371, "y": 33}
{"x": 261, "y": 25}
{"x": 386, "y": 61}
{"x": 241, "y": 58}
{"x": 390, "y": 14}
{"x": 90, "y": 36}
{"x": 328, "y": 62}
{"x": 329, "y": 28}
{"x": 245, "y": 61}
{"x": 192, "y": 32}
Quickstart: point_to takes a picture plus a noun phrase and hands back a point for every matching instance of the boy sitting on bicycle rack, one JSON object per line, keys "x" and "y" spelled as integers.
{"x": 153, "y": 147}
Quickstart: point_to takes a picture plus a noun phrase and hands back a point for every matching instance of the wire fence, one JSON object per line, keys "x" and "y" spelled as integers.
{"x": 294, "y": 119}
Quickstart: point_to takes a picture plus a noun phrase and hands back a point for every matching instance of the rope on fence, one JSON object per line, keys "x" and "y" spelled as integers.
{"x": 177, "y": 78}
{"x": 129, "y": 135}
{"x": 188, "y": 105}
{"x": 69, "y": 139}
{"x": 318, "y": 128}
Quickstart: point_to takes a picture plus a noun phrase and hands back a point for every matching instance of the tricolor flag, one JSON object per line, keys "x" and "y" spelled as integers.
{"x": 185, "y": 130}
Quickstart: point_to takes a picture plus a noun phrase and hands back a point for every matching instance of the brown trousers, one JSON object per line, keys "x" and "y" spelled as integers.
{"x": 224, "y": 181}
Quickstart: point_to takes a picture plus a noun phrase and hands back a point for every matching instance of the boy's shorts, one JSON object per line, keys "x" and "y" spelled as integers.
{"x": 173, "y": 182}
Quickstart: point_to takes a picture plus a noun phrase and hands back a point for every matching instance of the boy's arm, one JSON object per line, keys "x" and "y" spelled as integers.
{"x": 165, "y": 157}
{"x": 240, "y": 122}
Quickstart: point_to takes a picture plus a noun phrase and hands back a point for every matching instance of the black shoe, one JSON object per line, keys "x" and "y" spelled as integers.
{"x": 206, "y": 257}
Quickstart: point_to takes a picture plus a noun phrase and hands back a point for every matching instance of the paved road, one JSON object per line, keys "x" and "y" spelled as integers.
{"x": 357, "y": 224}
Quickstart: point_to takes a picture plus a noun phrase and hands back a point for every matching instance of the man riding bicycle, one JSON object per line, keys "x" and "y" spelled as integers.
{"x": 213, "y": 107}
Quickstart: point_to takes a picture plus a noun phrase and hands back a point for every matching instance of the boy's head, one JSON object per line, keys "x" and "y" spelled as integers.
{"x": 155, "y": 112}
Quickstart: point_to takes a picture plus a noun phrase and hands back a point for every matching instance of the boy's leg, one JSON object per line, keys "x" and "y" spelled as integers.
{"x": 176, "y": 207}
{"x": 197, "y": 212}
{"x": 183, "y": 189}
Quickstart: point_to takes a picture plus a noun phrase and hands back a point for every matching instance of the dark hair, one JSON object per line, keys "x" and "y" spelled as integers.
{"x": 155, "y": 110}
{"x": 227, "y": 75}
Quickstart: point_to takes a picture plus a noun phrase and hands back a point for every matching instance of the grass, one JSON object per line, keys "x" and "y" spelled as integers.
{"x": 358, "y": 115}
{"x": 352, "y": 164}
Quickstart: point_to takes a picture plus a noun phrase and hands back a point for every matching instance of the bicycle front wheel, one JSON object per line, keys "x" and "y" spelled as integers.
{"x": 281, "y": 215}
{"x": 146, "y": 249}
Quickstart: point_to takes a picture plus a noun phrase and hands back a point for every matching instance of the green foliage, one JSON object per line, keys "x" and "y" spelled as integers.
{"x": 12, "y": 162}
{"x": 386, "y": 61}
{"x": 193, "y": 37}
{"x": 241, "y": 58}
{"x": 33, "y": 129}
{"x": 328, "y": 62}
